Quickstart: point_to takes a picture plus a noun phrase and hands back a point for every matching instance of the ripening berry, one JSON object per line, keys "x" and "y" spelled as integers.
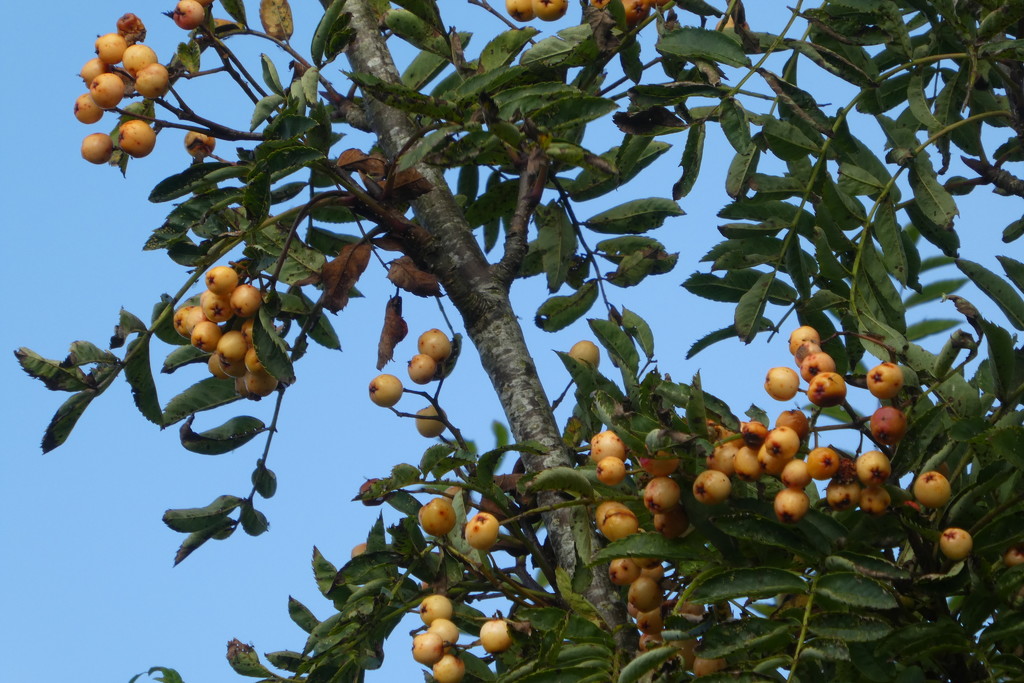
{"x": 826, "y": 389}
{"x": 245, "y": 301}
{"x": 422, "y": 368}
{"x": 842, "y": 495}
{"x": 520, "y": 10}
{"x": 482, "y": 531}
{"x": 136, "y": 138}
{"x": 885, "y": 380}
{"x": 822, "y": 463}
{"x": 246, "y": 330}
{"x": 661, "y": 494}
{"x": 816, "y": 363}
{"x": 888, "y": 425}
{"x": 427, "y": 423}
{"x": 645, "y": 594}
{"x": 252, "y": 361}
{"x": 712, "y": 487}
{"x": 435, "y": 344}
{"x": 435, "y": 606}
{"x": 221, "y": 279}
{"x": 782, "y": 442}
{"x": 449, "y": 669}
{"x": 607, "y": 444}
{"x": 795, "y": 420}
{"x": 745, "y": 464}
{"x": 721, "y": 458}
{"x": 619, "y": 524}
{"x": 770, "y": 464}
{"x": 132, "y": 28}
{"x": 611, "y": 471}
{"x": 93, "y": 68}
{"x": 661, "y": 464}
{"x": 427, "y": 648}
{"x": 199, "y": 145}
{"x": 357, "y": 550}
{"x": 753, "y": 433}
{"x": 232, "y": 347}
{"x": 956, "y": 544}
{"x": 153, "y": 81}
{"x": 875, "y": 500}
{"x": 385, "y": 390}
{"x": 586, "y": 352}
{"x": 260, "y": 383}
{"x": 705, "y": 667}
{"x": 215, "y": 367}
{"x": 623, "y": 571}
{"x": 873, "y": 468}
{"x": 86, "y": 110}
{"x": 1014, "y": 555}
{"x": 801, "y": 335}
{"x": 110, "y": 48}
{"x": 494, "y": 636}
{"x": 791, "y": 505}
{"x": 216, "y": 307}
{"x": 437, "y": 517}
{"x": 97, "y": 148}
{"x": 188, "y": 14}
{"x": 447, "y": 629}
{"x": 781, "y": 383}
{"x": 607, "y": 508}
{"x": 181, "y": 320}
{"x": 205, "y": 336}
{"x": 107, "y": 90}
{"x": 651, "y": 622}
{"x": 550, "y": 10}
{"x": 137, "y": 57}
{"x": 795, "y": 474}
{"x": 636, "y": 11}
{"x": 803, "y": 350}
{"x": 932, "y": 489}
{"x": 238, "y": 368}
{"x": 672, "y": 523}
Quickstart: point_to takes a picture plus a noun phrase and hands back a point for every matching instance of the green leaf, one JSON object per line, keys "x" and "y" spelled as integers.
{"x": 252, "y": 520}
{"x": 639, "y": 330}
{"x": 618, "y": 344}
{"x": 1014, "y": 270}
{"x": 931, "y": 197}
{"x": 642, "y": 545}
{"x": 233, "y": 434}
{"x": 139, "y": 374}
{"x": 301, "y": 615}
{"x": 188, "y": 520}
{"x": 634, "y": 217}
{"x": 693, "y": 43}
{"x": 197, "y": 177}
{"x": 848, "y": 626}
{"x": 890, "y": 242}
{"x": 565, "y": 479}
{"x": 744, "y": 635}
{"x": 734, "y": 284}
{"x": 331, "y": 34}
{"x": 646, "y": 663}
{"x": 693, "y": 155}
{"x": 748, "y": 318}
{"x": 1002, "y": 360}
{"x": 1008, "y": 300}
{"x": 182, "y": 356}
{"x": 188, "y": 55}
{"x": 556, "y": 241}
{"x": 271, "y": 349}
{"x": 66, "y": 417}
{"x": 733, "y": 118}
{"x": 763, "y": 531}
{"x": 741, "y": 168}
{"x": 570, "y": 47}
{"x": 751, "y": 583}
{"x": 168, "y": 675}
{"x": 235, "y": 9}
{"x": 264, "y": 110}
{"x": 53, "y": 374}
{"x": 856, "y": 590}
{"x": 561, "y": 311}
{"x": 270, "y": 76}
{"x": 203, "y": 395}
{"x": 504, "y": 47}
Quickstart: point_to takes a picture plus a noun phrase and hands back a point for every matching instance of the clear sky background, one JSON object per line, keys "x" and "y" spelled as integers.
{"x": 87, "y": 586}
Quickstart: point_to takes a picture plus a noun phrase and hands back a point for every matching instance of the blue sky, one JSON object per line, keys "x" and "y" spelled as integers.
{"x": 88, "y": 587}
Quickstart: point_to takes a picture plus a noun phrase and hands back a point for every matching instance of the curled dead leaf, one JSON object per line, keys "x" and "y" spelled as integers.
{"x": 373, "y": 165}
{"x": 340, "y": 275}
{"x": 394, "y": 331}
{"x": 276, "y": 17}
{"x": 406, "y": 275}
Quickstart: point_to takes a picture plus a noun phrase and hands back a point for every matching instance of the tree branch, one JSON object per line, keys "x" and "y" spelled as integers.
{"x": 454, "y": 256}
{"x": 531, "y": 187}
{"x": 1004, "y": 180}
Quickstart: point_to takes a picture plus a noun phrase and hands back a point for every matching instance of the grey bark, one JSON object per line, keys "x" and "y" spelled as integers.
{"x": 481, "y": 296}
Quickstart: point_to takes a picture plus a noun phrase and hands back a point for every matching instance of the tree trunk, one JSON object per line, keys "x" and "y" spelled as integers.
{"x": 482, "y": 299}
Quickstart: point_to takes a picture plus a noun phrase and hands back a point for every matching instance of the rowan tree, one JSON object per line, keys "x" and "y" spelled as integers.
{"x": 738, "y": 560}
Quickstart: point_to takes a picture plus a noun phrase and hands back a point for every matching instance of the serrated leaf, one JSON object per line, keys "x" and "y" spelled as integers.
{"x": 233, "y": 434}
{"x": 182, "y": 356}
{"x": 645, "y": 663}
{"x": 252, "y": 520}
{"x": 750, "y": 308}
{"x": 333, "y": 25}
{"x": 561, "y": 311}
{"x": 1004, "y": 296}
{"x": 301, "y": 615}
{"x": 139, "y": 374}
{"x": 188, "y": 55}
{"x": 50, "y": 372}
{"x": 189, "y": 520}
{"x": 271, "y": 349}
{"x": 750, "y": 635}
{"x": 693, "y": 155}
{"x": 856, "y": 590}
{"x": 504, "y": 47}
{"x": 931, "y": 197}
{"x": 264, "y": 109}
{"x": 270, "y": 75}
{"x": 618, "y": 344}
{"x": 64, "y": 420}
{"x": 848, "y": 626}
{"x": 762, "y": 582}
{"x": 193, "y": 178}
{"x": 693, "y": 43}
{"x": 556, "y": 242}
{"x": 652, "y": 545}
{"x": 235, "y": 9}
{"x": 640, "y": 331}
{"x": 565, "y": 479}
{"x": 634, "y": 217}
{"x": 203, "y": 395}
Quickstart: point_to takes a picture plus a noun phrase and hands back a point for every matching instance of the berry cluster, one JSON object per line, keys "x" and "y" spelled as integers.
{"x": 385, "y": 390}
{"x": 221, "y": 325}
{"x": 553, "y": 10}
{"x": 123, "y": 67}
{"x": 434, "y": 646}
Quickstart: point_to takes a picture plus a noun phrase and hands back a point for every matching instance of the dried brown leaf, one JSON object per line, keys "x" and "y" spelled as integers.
{"x": 394, "y": 331}
{"x": 276, "y": 17}
{"x": 372, "y": 165}
{"x": 647, "y": 121}
{"x": 410, "y": 184}
{"x": 406, "y": 275}
{"x": 341, "y": 274}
